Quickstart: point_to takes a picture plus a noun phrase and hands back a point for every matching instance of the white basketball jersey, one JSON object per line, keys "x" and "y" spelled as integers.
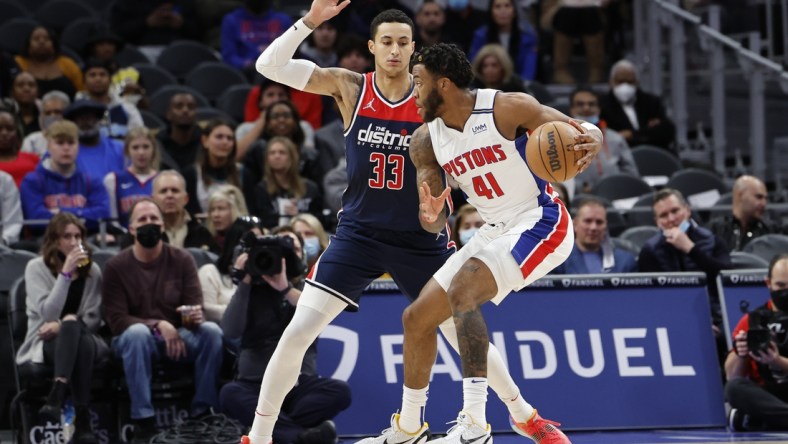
{"x": 490, "y": 169}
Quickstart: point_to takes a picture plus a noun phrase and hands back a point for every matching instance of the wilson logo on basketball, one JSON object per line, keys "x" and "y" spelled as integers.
{"x": 552, "y": 152}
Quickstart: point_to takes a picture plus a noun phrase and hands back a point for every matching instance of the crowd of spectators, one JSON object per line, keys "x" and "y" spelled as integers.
{"x": 74, "y": 145}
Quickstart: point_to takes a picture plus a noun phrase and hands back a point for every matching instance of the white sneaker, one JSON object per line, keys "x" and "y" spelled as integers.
{"x": 395, "y": 435}
{"x": 466, "y": 431}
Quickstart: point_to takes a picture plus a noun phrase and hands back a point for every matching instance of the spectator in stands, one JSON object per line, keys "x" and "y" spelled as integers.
{"x": 257, "y": 314}
{"x": 756, "y": 385}
{"x": 430, "y": 20}
{"x": 121, "y": 116}
{"x": 215, "y": 165}
{"x": 637, "y": 115}
{"x": 104, "y": 45}
{"x": 24, "y": 102}
{"x": 283, "y": 192}
{"x": 746, "y": 220}
{"x": 53, "y": 104}
{"x": 180, "y": 142}
{"x": 615, "y": 156}
{"x": 99, "y": 155}
{"x": 12, "y": 160}
{"x": 248, "y": 133}
{"x": 493, "y": 68}
{"x": 313, "y": 234}
{"x": 504, "y": 27}
{"x": 153, "y": 306}
{"x": 10, "y": 210}
{"x": 321, "y": 45}
{"x": 8, "y": 70}
{"x": 52, "y": 70}
{"x": 126, "y": 187}
{"x": 335, "y": 182}
{"x": 63, "y": 308}
{"x": 461, "y": 16}
{"x": 152, "y": 24}
{"x": 683, "y": 245}
{"x": 594, "y": 252}
{"x": 225, "y": 205}
{"x": 169, "y": 192}
{"x": 467, "y": 222}
{"x": 583, "y": 19}
{"x": 216, "y": 279}
{"x": 59, "y": 184}
{"x": 248, "y": 30}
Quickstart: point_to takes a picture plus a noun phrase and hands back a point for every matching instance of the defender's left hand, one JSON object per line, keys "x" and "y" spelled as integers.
{"x": 588, "y": 141}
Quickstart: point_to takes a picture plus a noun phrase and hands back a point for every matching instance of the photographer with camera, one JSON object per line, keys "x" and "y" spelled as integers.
{"x": 259, "y": 311}
{"x": 756, "y": 369}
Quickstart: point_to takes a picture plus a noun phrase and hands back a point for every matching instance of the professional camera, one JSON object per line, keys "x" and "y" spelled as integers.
{"x": 766, "y": 326}
{"x": 265, "y": 256}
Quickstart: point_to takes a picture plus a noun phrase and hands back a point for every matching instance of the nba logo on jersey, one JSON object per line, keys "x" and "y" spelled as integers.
{"x": 479, "y": 128}
{"x": 370, "y": 105}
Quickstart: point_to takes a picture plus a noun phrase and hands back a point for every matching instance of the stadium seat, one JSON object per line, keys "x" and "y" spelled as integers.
{"x": 153, "y": 77}
{"x": 14, "y": 34}
{"x": 152, "y": 121}
{"x": 12, "y": 9}
{"x": 539, "y": 91}
{"x": 693, "y": 181}
{"x": 742, "y": 259}
{"x": 213, "y": 78}
{"x": 233, "y": 100}
{"x": 767, "y": 246}
{"x": 202, "y": 257}
{"x": 626, "y": 246}
{"x": 655, "y": 161}
{"x": 74, "y": 55}
{"x": 57, "y": 14}
{"x": 615, "y": 222}
{"x": 160, "y": 100}
{"x": 181, "y": 56}
{"x": 130, "y": 55}
{"x": 639, "y": 235}
{"x": 13, "y": 264}
{"x": 206, "y": 113}
{"x": 101, "y": 256}
{"x": 641, "y": 213}
{"x": 77, "y": 33}
{"x": 621, "y": 186}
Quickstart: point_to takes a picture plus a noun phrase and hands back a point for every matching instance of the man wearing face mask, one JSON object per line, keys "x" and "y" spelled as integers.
{"x": 248, "y": 30}
{"x": 683, "y": 245}
{"x": 98, "y": 155}
{"x": 153, "y": 305}
{"x": 257, "y": 315}
{"x": 637, "y": 115}
{"x": 757, "y": 379}
{"x": 615, "y": 156}
{"x": 53, "y": 104}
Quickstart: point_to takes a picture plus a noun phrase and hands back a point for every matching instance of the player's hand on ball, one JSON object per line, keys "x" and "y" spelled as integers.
{"x": 590, "y": 142}
{"x": 430, "y": 207}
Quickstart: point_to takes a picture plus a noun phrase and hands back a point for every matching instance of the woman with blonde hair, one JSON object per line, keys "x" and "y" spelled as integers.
{"x": 493, "y": 68}
{"x": 225, "y": 205}
{"x": 315, "y": 238}
{"x": 63, "y": 315}
{"x": 283, "y": 192}
{"x": 126, "y": 187}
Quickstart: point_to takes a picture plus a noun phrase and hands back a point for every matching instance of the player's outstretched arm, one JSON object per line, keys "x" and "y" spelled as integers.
{"x": 433, "y": 191}
{"x": 277, "y": 63}
{"x": 524, "y": 111}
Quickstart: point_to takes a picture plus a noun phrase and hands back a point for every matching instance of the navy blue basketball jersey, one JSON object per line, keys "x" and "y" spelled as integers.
{"x": 128, "y": 190}
{"x": 381, "y": 190}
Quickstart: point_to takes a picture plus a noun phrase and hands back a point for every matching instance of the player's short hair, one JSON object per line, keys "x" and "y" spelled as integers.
{"x": 390, "y": 16}
{"x": 445, "y": 60}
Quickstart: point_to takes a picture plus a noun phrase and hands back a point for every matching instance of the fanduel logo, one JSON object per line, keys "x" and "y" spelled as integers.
{"x": 382, "y": 136}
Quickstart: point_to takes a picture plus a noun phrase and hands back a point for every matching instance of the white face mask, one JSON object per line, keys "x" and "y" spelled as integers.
{"x": 466, "y": 235}
{"x": 311, "y": 247}
{"x": 624, "y": 92}
{"x": 590, "y": 119}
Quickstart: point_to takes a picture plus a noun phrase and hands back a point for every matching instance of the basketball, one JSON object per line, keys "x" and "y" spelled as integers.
{"x": 550, "y": 151}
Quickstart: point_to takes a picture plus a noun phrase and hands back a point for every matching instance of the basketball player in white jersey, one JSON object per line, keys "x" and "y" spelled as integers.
{"x": 479, "y": 137}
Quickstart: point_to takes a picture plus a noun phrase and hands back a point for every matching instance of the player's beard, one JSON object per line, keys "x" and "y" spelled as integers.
{"x": 431, "y": 105}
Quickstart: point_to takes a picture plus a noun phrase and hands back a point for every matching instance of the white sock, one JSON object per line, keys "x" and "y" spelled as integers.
{"x": 474, "y": 399}
{"x": 414, "y": 402}
{"x": 498, "y": 377}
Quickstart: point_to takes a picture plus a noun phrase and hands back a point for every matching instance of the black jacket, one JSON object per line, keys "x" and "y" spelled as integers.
{"x": 729, "y": 230}
{"x": 647, "y": 107}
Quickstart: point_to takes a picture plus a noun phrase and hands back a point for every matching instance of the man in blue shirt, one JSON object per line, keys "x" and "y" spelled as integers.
{"x": 98, "y": 154}
{"x": 248, "y": 30}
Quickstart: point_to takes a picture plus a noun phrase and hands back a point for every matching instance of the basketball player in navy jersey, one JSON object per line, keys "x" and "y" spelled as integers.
{"x": 379, "y": 229}
{"x": 479, "y": 137}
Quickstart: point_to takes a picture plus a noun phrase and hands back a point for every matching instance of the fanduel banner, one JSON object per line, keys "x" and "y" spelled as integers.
{"x": 592, "y": 352}
{"x": 740, "y": 290}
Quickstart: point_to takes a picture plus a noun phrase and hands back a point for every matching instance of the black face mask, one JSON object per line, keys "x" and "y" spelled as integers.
{"x": 149, "y": 235}
{"x": 780, "y": 299}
